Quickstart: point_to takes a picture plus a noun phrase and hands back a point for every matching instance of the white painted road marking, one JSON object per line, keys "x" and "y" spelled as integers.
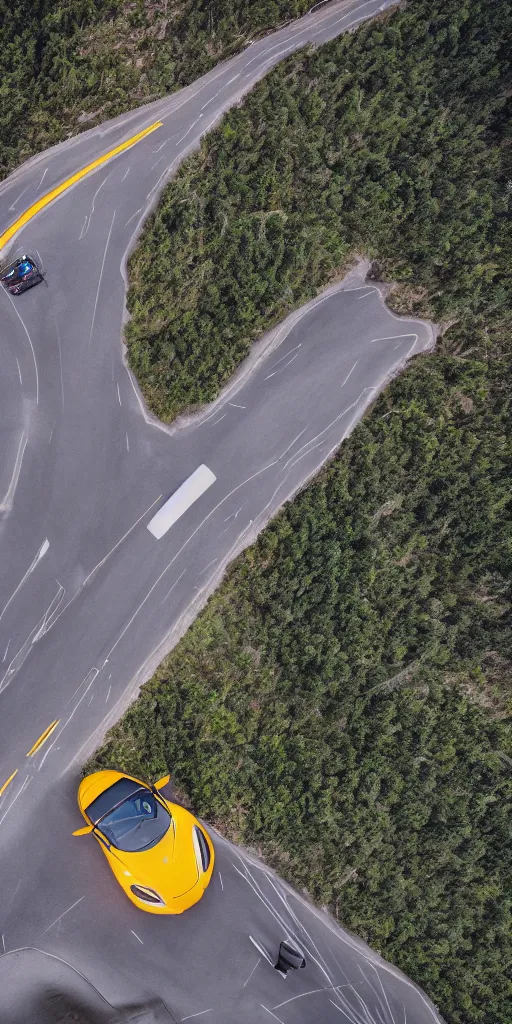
{"x": 42, "y": 551}
{"x": 271, "y": 1014}
{"x": 133, "y": 216}
{"x": 100, "y": 277}
{"x": 208, "y": 566}
{"x": 173, "y": 586}
{"x": 6, "y": 504}
{"x": 257, "y": 945}
{"x": 25, "y": 328}
{"x": 64, "y": 914}
{"x": 19, "y": 197}
{"x": 42, "y": 179}
{"x": 251, "y": 974}
{"x": 20, "y": 791}
{"x": 200, "y": 1014}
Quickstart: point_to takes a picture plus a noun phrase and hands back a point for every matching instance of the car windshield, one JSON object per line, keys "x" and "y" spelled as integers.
{"x": 137, "y": 823}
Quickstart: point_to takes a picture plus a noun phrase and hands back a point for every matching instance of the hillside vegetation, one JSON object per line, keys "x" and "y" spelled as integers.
{"x": 72, "y": 63}
{"x": 344, "y": 702}
{"x": 394, "y": 142}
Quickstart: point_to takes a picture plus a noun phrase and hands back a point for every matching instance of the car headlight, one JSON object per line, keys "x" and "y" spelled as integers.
{"x": 148, "y": 895}
{"x": 201, "y": 849}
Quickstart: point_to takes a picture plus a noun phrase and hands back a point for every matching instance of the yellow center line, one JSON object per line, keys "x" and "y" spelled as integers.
{"x": 4, "y": 787}
{"x": 50, "y": 196}
{"x": 43, "y": 737}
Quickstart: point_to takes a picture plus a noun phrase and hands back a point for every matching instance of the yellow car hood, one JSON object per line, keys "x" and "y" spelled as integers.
{"x": 170, "y": 867}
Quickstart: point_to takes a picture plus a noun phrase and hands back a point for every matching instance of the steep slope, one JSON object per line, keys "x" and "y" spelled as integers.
{"x": 68, "y": 65}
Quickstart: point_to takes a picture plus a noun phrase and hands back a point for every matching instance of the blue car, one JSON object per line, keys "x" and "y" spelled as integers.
{"x": 24, "y": 273}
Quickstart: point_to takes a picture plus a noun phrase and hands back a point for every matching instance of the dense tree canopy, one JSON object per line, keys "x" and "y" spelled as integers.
{"x": 344, "y": 702}
{"x": 394, "y": 141}
{"x": 67, "y": 63}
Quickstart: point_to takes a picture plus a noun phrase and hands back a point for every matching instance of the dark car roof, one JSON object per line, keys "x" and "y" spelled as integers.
{"x": 111, "y": 797}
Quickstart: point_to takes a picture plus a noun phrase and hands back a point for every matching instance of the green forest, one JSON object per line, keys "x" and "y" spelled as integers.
{"x": 344, "y": 702}
{"x": 393, "y": 142}
{"x": 68, "y": 64}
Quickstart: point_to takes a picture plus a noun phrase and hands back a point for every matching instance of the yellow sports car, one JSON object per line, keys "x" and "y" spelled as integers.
{"x": 160, "y": 854}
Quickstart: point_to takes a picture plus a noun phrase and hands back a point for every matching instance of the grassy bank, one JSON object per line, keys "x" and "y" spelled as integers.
{"x": 394, "y": 142}
{"x": 343, "y": 703}
{"x": 77, "y": 62}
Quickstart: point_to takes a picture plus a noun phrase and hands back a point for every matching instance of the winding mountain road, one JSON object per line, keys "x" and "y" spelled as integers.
{"x": 90, "y": 602}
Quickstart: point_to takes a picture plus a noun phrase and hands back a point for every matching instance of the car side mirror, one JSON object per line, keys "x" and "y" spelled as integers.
{"x": 84, "y": 831}
{"x": 162, "y": 782}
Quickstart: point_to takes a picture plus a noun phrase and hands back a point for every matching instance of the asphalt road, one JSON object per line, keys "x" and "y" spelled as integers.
{"x": 89, "y": 601}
